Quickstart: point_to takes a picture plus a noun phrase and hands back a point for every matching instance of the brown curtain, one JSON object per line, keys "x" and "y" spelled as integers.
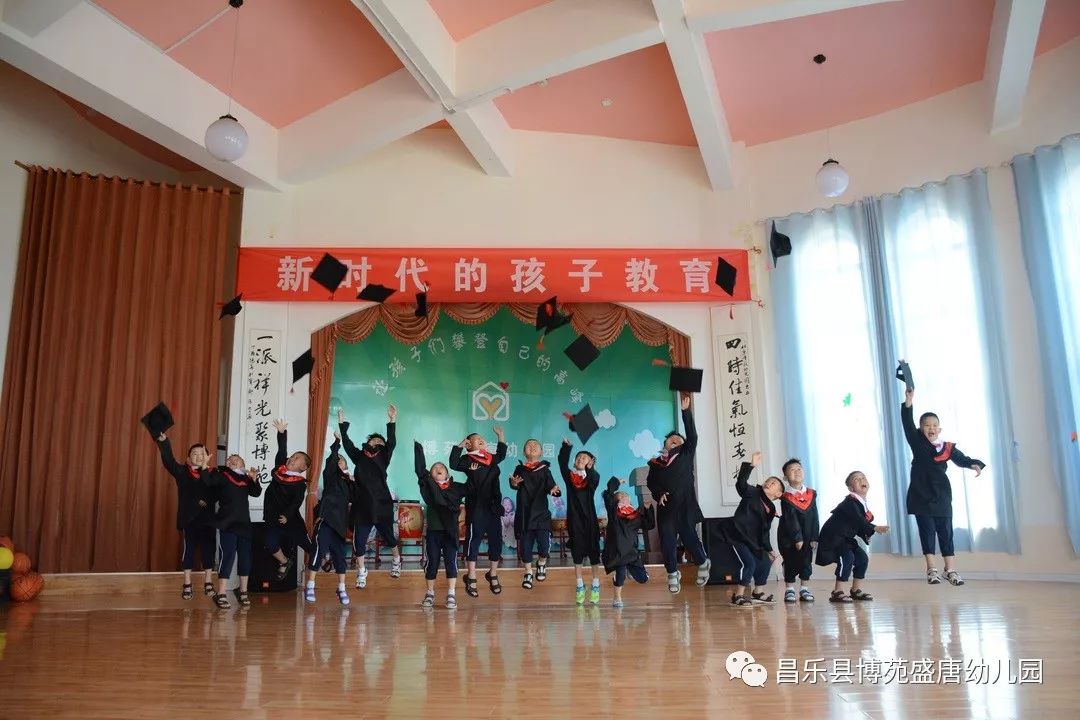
{"x": 600, "y": 322}
{"x": 114, "y": 309}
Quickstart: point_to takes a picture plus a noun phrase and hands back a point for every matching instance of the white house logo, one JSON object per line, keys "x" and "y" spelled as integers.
{"x": 490, "y": 401}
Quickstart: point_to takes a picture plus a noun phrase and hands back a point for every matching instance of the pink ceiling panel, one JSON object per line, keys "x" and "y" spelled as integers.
{"x": 292, "y": 58}
{"x": 462, "y": 18}
{"x": 880, "y": 57}
{"x": 1060, "y": 24}
{"x": 646, "y": 103}
{"x": 162, "y": 22}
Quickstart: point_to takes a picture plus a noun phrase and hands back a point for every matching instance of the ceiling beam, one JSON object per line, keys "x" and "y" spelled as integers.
{"x": 704, "y": 16}
{"x": 484, "y": 131}
{"x": 1014, "y": 33}
{"x": 697, "y": 81}
{"x": 90, "y": 57}
{"x": 34, "y": 16}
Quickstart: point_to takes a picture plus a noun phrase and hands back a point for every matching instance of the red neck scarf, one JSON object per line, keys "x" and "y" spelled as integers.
{"x": 579, "y": 479}
{"x": 945, "y": 453}
{"x": 481, "y": 456}
{"x": 281, "y": 474}
{"x": 194, "y": 472}
{"x": 664, "y": 459}
{"x": 802, "y": 500}
{"x": 626, "y": 512}
{"x": 235, "y": 478}
{"x": 530, "y": 466}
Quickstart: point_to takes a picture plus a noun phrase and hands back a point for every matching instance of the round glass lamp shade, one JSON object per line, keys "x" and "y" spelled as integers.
{"x": 226, "y": 139}
{"x": 832, "y": 179}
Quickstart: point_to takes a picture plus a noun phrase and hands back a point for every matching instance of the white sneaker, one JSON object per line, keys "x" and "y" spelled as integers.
{"x": 361, "y": 579}
{"x": 703, "y": 573}
{"x": 343, "y": 597}
{"x": 309, "y": 594}
{"x": 674, "y": 582}
{"x": 395, "y": 567}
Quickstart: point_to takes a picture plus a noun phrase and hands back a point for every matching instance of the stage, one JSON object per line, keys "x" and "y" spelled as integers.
{"x": 533, "y": 654}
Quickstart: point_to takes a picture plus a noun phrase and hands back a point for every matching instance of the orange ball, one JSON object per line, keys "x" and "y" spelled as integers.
{"x": 20, "y": 564}
{"x": 26, "y": 587}
{"x": 7, "y": 542}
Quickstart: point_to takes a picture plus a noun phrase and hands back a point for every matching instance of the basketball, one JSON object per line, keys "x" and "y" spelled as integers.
{"x": 7, "y": 542}
{"x": 6, "y": 558}
{"x": 26, "y": 587}
{"x": 20, "y": 563}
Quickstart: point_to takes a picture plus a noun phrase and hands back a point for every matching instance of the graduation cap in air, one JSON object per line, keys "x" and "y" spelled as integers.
{"x": 421, "y": 305}
{"x": 582, "y": 352}
{"x": 583, "y": 423}
{"x": 685, "y": 379}
{"x": 779, "y": 244}
{"x": 375, "y": 293}
{"x": 233, "y": 307}
{"x": 329, "y": 272}
{"x": 903, "y": 372}
{"x": 548, "y": 317}
{"x": 157, "y": 420}
{"x": 302, "y": 365}
{"x": 725, "y": 276}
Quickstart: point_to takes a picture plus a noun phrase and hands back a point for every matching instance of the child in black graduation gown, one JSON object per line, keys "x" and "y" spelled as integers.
{"x": 748, "y": 532}
{"x": 532, "y": 522}
{"x": 285, "y": 525}
{"x": 836, "y": 543}
{"x": 929, "y": 495}
{"x": 581, "y": 521}
{"x": 235, "y": 485}
{"x": 797, "y": 533}
{"x": 624, "y": 522}
{"x": 442, "y": 499}
{"x": 373, "y": 505}
{"x": 671, "y": 482}
{"x": 331, "y": 521}
{"x": 483, "y": 504}
{"x": 194, "y": 511}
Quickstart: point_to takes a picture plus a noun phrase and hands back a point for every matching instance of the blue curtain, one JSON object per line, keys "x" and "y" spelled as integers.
{"x": 911, "y": 275}
{"x": 1048, "y": 193}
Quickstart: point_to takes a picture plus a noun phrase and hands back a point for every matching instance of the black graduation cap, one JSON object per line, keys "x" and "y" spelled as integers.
{"x": 302, "y": 365}
{"x": 903, "y": 372}
{"x": 779, "y": 243}
{"x": 421, "y": 305}
{"x": 375, "y": 293}
{"x": 584, "y": 424}
{"x": 548, "y": 317}
{"x": 157, "y": 420}
{"x": 725, "y": 276}
{"x": 582, "y": 352}
{"x": 685, "y": 379}
{"x": 233, "y": 307}
{"x": 329, "y": 272}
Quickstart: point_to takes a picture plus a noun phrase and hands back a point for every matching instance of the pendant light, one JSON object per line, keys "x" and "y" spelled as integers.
{"x": 226, "y": 139}
{"x": 831, "y": 179}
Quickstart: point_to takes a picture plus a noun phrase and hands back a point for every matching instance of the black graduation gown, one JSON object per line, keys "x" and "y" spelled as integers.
{"x": 581, "y": 521}
{"x": 190, "y": 489}
{"x": 337, "y": 492}
{"x": 234, "y": 489}
{"x": 443, "y": 505}
{"x": 929, "y": 491}
{"x": 533, "y": 511}
{"x": 798, "y": 519}
{"x": 285, "y": 493}
{"x": 753, "y": 518}
{"x": 620, "y": 544}
{"x": 483, "y": 497}
{"x": 675, "y": 476}
{"x": 372, "y": 501}
{"x": 847, "y": 521}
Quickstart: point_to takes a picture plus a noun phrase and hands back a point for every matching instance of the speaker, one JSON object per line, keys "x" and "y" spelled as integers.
{"x": 264, "y": 565}
{"x": 725, "y": 563}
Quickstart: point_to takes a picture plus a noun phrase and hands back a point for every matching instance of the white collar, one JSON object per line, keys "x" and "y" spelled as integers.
{"x": 294, "y": 473}
{"x": 861, "y": 499}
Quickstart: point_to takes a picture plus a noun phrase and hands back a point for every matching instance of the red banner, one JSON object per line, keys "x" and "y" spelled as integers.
{"x": 497, "y": 275}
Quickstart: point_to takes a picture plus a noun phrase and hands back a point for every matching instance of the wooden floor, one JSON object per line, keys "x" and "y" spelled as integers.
{"x": 535, "y": 655}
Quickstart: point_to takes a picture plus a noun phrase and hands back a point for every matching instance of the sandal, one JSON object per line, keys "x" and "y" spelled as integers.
{"x": 861, "y": 595}
{"x": 838, "y": 596}
{"x": 527, "y": 581}
{"x": 208, "y": 589}
{"x": 451, "y": 602}
{"x": 187, "y": 592}
{"x": 789, "y": 596}
{"x": 283, "y": 570}
{"x": 493, "y": 582}
{"x": 541, "y": 572}
{"x": 954, "y": 578}
{"x": 242, "y": 598}
{"x": 342, "y": 596}
{"x": 805, "y": 595}
{"x": 470, "y": 587}
{"x": 933, "y": 577}
{"x": 761, "y": 597}
{"x": 428, "y": 601}
{"x": 740, "y": 601}
{"x": 222, "y": 601}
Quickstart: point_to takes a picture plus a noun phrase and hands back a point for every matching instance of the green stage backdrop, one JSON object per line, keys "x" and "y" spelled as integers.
{"x": 470, "y": 378}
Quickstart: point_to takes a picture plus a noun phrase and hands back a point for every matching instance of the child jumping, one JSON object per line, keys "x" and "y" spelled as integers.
{"x": 483, "y": 504}
{"x": 331, "y": 522}
{"x": 581, "y": 521}
{"x": 748, "y": 532}
{"x": 836, "y": 543}
{"x": 797, "y": 533}
{"x": 532, "y": 523}
{"x": 442, "y": 499}
{"x": 624, "y": 522}
{"x": 235, "y": 485}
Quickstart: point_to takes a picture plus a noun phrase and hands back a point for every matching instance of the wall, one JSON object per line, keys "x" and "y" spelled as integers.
{"x": 38, "y": 128}
{"x": 572, "y": 190}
